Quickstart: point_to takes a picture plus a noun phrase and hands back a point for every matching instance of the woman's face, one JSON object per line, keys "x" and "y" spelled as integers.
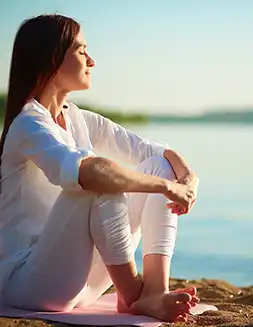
{"x": 75, "y": 72}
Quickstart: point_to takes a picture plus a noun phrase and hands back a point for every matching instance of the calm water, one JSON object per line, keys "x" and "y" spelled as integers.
{"x": 215, "y": 239}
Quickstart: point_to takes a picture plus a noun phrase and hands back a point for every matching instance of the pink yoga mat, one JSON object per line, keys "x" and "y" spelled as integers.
{"x": 102, "y": 312}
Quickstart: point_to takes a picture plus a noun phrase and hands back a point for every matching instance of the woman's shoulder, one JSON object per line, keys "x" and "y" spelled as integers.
{"x": 73, "y": 108}
{"x": 78, "y": 113}
{"x": 30, "y": 119}
{"x": 30, "y": 112}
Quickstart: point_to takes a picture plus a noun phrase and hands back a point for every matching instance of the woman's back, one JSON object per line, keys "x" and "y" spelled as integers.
{"x": 27, "y": 194}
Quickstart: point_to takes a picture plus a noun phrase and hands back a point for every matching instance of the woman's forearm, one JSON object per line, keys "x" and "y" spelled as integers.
{"x": 178, "y": 163}
{"x": 102, "y": 175}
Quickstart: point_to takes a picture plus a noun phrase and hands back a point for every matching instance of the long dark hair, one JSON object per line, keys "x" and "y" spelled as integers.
{"x": 39, "y": 49}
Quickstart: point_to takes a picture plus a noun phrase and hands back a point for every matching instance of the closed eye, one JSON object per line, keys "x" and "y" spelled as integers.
{"x": 83, "y": 52}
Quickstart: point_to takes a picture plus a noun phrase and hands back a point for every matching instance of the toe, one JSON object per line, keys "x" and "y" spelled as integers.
{"x": 184, "y": 307}
{"x": 190, "y": 290}
{"x": 183, "y": 297}
{"x": 195, "y": 299}
{"x": 180, "y": 319}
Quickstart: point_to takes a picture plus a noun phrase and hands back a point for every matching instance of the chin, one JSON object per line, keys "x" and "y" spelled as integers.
{"x": 82, "y": 87}
{"x": 86, "y": 85}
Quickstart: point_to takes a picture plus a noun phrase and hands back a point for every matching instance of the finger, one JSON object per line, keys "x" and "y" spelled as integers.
{"x": 176, "y": 208}
{"x": 171, "y": 205}
{"x": 178, "y": 212}
{"x": 182, "y": 210}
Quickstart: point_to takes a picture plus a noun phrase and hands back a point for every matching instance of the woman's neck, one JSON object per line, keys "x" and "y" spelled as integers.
{"x": 53, "y": 101}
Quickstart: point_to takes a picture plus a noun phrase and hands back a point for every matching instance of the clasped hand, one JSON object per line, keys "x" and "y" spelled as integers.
{"x": 183, "y": 193}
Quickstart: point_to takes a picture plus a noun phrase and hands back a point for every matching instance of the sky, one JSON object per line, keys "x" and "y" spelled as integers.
{"x": 166, "y": 56}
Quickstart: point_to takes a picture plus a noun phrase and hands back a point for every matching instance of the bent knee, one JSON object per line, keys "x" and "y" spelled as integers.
{"x": 158, "y": 166}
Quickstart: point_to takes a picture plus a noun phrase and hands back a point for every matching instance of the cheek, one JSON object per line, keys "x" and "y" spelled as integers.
{"x": 81, "y": 68}
{"x": 71, "y": 74}
{"x": 72, "y": 67}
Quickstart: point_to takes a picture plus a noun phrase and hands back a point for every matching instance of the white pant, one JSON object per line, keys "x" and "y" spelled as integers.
{"x": 67, "y": 266}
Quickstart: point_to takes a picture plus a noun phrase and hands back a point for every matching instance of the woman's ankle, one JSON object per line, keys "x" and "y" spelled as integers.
{"x": 156, "y": 268}
{"x": 127, "y": 282}
{"x": 131, "y": 295}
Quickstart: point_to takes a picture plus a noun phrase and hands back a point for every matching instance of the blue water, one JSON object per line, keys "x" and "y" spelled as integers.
{"x": 215, "y": 239}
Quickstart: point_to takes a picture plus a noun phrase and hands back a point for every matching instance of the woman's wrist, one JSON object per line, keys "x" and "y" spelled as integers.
{"x": 167, "y": 187}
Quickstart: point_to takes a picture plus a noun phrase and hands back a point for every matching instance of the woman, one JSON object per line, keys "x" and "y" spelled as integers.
{"x": 71, "y": 221}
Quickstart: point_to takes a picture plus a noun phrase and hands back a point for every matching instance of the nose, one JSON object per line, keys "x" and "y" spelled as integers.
{"x": 90, "y": 62}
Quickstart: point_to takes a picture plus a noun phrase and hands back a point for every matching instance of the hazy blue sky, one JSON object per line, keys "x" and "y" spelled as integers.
{"x": 163, "y": 55}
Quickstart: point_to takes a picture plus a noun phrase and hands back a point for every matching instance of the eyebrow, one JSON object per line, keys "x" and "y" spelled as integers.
{"x": 81, "y": 45}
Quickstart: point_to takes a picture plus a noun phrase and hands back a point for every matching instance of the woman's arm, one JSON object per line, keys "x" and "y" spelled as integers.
{"x": 102, "y": 175}
{"x": 180, "y": 166}
{"x": 35, "y": 137}
{"x": 115, "y": 141}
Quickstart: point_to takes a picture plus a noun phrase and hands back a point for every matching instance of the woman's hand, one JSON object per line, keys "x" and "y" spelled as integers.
{"x": 183, "y": 193}
{"x": 192, "y": 180}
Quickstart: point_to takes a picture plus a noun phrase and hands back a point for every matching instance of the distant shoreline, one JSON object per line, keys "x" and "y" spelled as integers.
{"x": 228, "y": 117}
{"x": 244, "y": 117}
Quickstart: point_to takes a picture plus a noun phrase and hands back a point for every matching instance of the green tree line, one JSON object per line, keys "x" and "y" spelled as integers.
{"x": 239, "y": 116}
{"x": 116, "y": 116}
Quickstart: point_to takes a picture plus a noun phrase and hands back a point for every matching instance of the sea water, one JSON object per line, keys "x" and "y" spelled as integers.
{"x": 215, "y": 240}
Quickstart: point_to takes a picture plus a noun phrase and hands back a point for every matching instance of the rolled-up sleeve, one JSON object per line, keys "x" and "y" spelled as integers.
{"x": 40, "y": 141}
{"x": 114, "y": 140}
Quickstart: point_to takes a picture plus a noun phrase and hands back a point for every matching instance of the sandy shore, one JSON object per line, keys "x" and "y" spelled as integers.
{"x": 235, "y": 306}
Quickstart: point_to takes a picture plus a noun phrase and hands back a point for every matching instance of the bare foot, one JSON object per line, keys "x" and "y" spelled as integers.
{"x": 190, "y": 290}
{"x": 168, "y": 307}
{"x": 122, "y": 308}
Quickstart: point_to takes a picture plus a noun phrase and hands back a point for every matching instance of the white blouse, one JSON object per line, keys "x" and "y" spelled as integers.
{"x": 40, "y": 159}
